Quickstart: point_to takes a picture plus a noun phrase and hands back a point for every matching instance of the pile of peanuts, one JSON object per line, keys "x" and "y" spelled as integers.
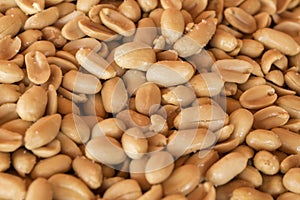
{"x": 150, "y": 99}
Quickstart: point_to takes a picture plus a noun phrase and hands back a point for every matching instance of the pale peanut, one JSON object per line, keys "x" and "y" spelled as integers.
{"x": 180, "y": 95}
{"x": 251, "y": 48}
{"x": 276, "y": 77}
{"x": 147, "y": 96}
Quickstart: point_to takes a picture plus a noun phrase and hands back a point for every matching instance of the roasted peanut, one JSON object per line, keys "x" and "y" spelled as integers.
{"x": 40, "y": 188}
{"x": 10, "y": 72}
{"x": 43, "y": 131}
{"x": 49, "y": 166}
{"x": 89, "y": 172}
{"x": 270, "y": 117}
{"x": 183, "y": 180}
{"x": 75, "y": 128}
{"x": 233, "y": 70}
{"x": 291, "y": 180}
{"x": 172, "y": 25}
{"x": 23, "y": 161}
{"x": 249, "y": 193}
{"x": 266, "y": 162}
{"x": 272, "y": 185}
{"x": 18, "y": 191}
{"x": 42, "y": 19}
{"x": 219, "y": 175}
{"x": 67, "y": 185}
{"x": 101, "y": 147}
{"x": 277, "y": 40}
{"x": 258, "y": 97}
